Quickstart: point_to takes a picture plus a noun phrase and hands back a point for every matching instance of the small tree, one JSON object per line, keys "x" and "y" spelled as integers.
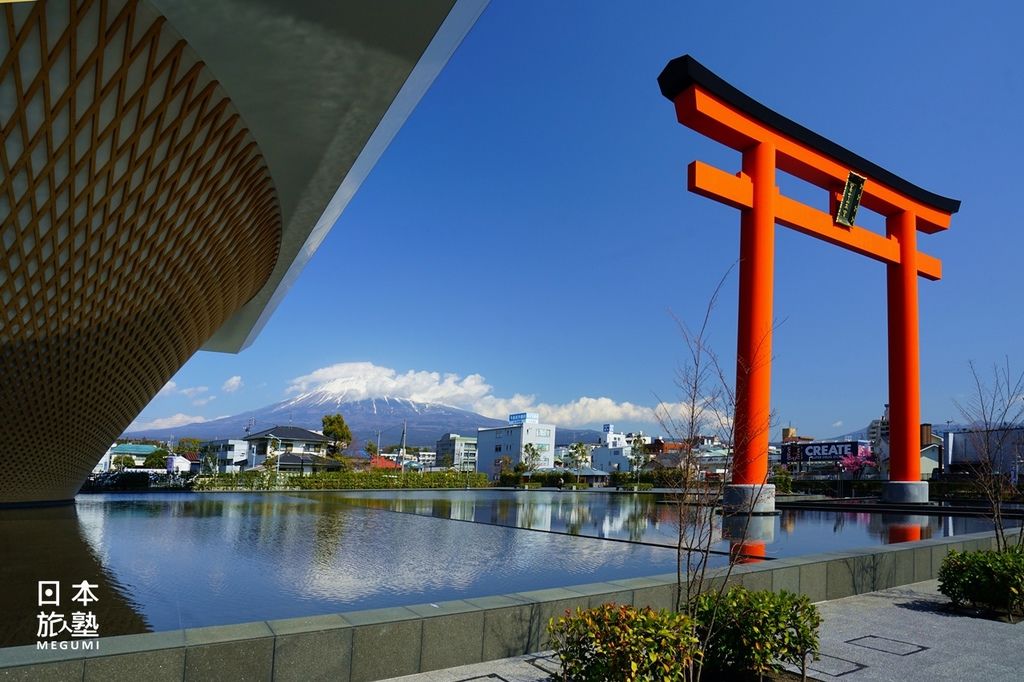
{"x": 338, "y": 432}
{"x": 156, "y": 459}
{"x": 530, "y": 457}
{"x": 187, "y": 447}
{"x": 857, "y": 462}
{"x": 637, "y": 457}
{"x": 995, "y": 412}
{"x": 122, "y": 462}
{"x": 370, "y": 448}
{"x": 208, "y": 460}
{"x": 578, "y": 457}
{"x": 708, "y": 405}
{"x": 782, "y": 478}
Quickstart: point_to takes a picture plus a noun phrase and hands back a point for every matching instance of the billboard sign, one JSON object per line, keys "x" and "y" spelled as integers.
{"x": 523, "y": 418}
{"x": 823, "y": 452}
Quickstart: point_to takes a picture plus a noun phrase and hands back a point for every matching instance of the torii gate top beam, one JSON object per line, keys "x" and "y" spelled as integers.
{"x": 713, "y": 107}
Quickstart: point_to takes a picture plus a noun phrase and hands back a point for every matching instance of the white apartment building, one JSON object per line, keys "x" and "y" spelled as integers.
{"x": 231, "y": 454}
{"x": 461, "y": 449}
{"x": 508, "y": 441}
{"x": 614, "y": 453}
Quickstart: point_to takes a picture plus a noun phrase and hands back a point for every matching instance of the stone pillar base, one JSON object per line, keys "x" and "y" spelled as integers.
{"x": 905, "y": 492}
{"x": 743, "y": 528}
{"x": 746, "y": 498}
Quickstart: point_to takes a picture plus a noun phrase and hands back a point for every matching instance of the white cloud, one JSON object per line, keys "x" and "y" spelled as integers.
{"x": 361, "y": 380}
{"x": 194, "y": 391}
{"x": 179, "y": 419}
{"x": 232, "y": 384}
{"x": 837, "y": 424}
{"x": 199, "y": 402}
{"x": 168, "y": 389}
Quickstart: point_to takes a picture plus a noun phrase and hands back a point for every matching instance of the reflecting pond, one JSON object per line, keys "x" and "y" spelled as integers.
{"x": 168, "y": 561}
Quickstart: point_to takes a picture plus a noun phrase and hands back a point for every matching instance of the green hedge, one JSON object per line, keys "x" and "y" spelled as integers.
{"x": 387, "y": 478}
{"x": 612, "y": 642}
{"x": 656, "y": 478}
{"x": 748, "y": 631}
{"x": 374, "y": 479}
{"x": 254, "y": 479}
{"x": 986, "y": 579}
{"x": 739, "y": 634}
{"x": 543, "y": 479}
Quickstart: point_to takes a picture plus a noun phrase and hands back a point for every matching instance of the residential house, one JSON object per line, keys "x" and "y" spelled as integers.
{"x": 285, "y": 440}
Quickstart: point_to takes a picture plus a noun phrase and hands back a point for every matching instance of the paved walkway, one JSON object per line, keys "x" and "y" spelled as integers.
{"x": 902, "y": 634}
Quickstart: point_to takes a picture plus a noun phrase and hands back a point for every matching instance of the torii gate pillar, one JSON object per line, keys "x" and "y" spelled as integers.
{"x": 768, "y": 142}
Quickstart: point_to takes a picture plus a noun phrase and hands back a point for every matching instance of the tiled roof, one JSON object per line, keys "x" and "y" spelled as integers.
{"x": 289, "y": 433}
{"x": 133, "y": 449}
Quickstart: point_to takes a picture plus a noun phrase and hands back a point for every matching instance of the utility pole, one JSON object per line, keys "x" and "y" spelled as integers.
{"x": 250, "y": 448}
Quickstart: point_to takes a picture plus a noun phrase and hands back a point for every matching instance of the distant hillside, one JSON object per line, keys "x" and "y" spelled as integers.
{"x": 426, "y": 421}
{"x": 570, "y": 436}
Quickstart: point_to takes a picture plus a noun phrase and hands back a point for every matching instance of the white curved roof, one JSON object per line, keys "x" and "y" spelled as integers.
{"x": 323, "y": 86}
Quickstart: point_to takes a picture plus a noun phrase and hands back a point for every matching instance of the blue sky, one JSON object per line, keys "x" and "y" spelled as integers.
{"x": 528, "y": 232}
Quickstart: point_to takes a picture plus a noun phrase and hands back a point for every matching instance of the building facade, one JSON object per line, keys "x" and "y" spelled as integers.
{"x": 459, "y": 450}
{"x": 505, "y": 445}
{"x": 137, "y": 451}
{"x": 230, "y": 454}
{"x": 615, "y": 453}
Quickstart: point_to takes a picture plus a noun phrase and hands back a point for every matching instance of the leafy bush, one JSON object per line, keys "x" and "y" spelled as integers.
{"x": 509, "y": 479}
{"x": 747, "y": 631}
{"x": 984, "y": 578}
{"x": 610, "y": 642}
{"x": 782, "y": 479}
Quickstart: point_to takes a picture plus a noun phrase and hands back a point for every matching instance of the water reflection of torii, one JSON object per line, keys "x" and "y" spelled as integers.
{"x": 770, "y": 142}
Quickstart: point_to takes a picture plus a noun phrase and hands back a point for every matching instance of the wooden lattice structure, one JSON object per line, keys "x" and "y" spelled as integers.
{"x": 137, "y": 215}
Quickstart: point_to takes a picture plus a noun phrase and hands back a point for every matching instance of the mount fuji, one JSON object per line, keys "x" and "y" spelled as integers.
{"x": 426, "y": 422}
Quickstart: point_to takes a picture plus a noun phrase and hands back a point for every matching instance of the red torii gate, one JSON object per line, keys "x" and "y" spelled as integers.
{"x": 770, "y": 141}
